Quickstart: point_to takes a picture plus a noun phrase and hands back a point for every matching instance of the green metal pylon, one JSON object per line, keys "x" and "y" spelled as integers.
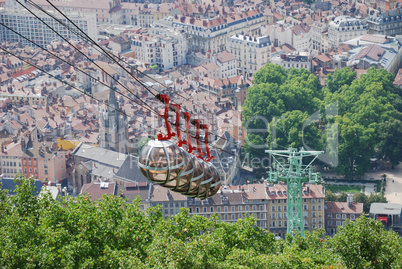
{"x": 292, "y": 171}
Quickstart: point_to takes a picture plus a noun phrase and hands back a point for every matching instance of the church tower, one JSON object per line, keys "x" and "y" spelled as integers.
{"x": 113, "y": 131}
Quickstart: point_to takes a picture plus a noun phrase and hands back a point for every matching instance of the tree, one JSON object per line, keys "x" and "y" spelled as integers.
{"x": 341, "y": 77}
{"x": 364, "y": 243}
{"x": 111, "y": 233}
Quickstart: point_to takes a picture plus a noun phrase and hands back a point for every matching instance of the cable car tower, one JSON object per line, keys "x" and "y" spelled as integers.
{"x": 290, "y": 169}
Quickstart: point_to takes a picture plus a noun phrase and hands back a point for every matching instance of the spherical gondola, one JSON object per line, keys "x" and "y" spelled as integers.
{"x": 215, "y": 184}
{"x": 195, "y": 182}
{"x": 187, "y": 174}
{"x": 162, "y": 161}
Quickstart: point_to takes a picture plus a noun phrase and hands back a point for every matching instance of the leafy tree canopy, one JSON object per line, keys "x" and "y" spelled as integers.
{"x": 110, "y": 233}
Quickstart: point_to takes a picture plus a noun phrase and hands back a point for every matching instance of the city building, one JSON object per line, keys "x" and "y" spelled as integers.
{"x": 43, "y": 161}
{"x": 293, "y": 59}
{"x": 10, "y": 160}
{"x": 100, "y": 11}
{"x": 344, "y": 28}
{"x": 212, "y": 35}
{"x": 170, "y": 201}
{"x": 165, "y": 48}
{"x": 251, "y": 52}
{"x": 386, "y": 23}
{"x": 338, "y": 212}
{"x": 313, "y": 208}
{"x": 227, "y": 63}
{"x": 233, "y": 203}
{"x": 318, "y": 31}
{"x": 26, "y": 24}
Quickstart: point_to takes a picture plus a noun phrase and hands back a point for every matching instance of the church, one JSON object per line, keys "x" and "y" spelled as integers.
{"x": 113, "y": 132}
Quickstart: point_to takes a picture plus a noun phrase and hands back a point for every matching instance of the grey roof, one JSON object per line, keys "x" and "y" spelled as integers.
{"x": 129, "y": 170}
{"x": 385, "y": 208}
{"x": 103, "y": 171}
{"x": 100, "y": 155}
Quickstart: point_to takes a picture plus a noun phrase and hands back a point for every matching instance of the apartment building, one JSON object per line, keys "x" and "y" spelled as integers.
{"x": 318, "y": 30}
{"x": 338, "y": 212}
{"x": 100, "y": 10}
{"x": 293, "y": 59}
{"x": 10, "y": 160}
{"x": 313, "y": 208}
{"x": 251, "y": 52}
{"x": 26, "y": 24}
{"x": 43, "y": 161}
{"x": 233, "y": 203}
{"x": 165, "y": 48}
{"x": 344, "y": 28}
{"x": 170, "y": 201}
{"x": 227, "y": 63}
{"x": 212, "y": 35}
{"x": 386, "y": 23}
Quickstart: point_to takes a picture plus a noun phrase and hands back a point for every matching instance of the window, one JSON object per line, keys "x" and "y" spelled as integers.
{"x": 279, "y": 208}
{"x": 239, "y": 207}
{"x": 352, "y": 216}
{"x": 284, "y": 208}
{"x": 226, "y": 216}
{"x": 280, "y": 223}
{"x": 313, "y": 207}
{"x": 225, "y": 209}
{"x": 273, "y": 224}
{"x": 329, "y": 216}
{"x": 330, "y": 223}
{"x": 211, "y": 209}
{"x": 191, "y": 210}
{"x": 205, "y": 210}
{"x": 261, "y": 208}
{"x": 338, "y": 223}
{"x": 233, "y": 217}
{"x": 273, "y": 215}
{"x": 279, "y": 215}
{"x": 254, "y": 207}
{"x": 319, "y": 207}
{"x": 247, "y": 208}
{"x": 273, "y": 208}
{"x": 232, "y": 209}
{"x": 285, "y": 215}
{"x": 343, "y": 216}
{"x": 197, "y": 210}
{"x": 219, "y": 209}
{"x": 338, "y": 216}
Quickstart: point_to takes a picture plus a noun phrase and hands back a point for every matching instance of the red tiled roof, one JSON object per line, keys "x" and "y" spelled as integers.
{"x": 342, "y": 207}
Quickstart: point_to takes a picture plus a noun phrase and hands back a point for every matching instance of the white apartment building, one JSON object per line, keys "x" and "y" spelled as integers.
{"x": 212, "y": 35}
{"x": 166, "y": 49}
{"x": 344, "y": 28}
{"x": 227, "y": 63}
{"x": 252, "y": 53}
{"x": 294, "y": 59}
{"x": 318, "y": 31}
{"x": 301, "y": 36}
{"x": 26, "y": 24}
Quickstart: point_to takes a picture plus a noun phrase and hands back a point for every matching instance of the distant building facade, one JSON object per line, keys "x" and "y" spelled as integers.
{"x": 338, "y": 212}
{"x": 23, "y": 22}
{"x": 293, "y": 60}
{"x": 344, "y": 28}
{"x": 386, "y": 23}
{"x": 251, "y": 52}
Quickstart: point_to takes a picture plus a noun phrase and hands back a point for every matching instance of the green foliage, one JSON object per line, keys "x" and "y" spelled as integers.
{"x": 368, "y": 200}
{"x": 341, "y": 77}
{"x": 365, "y": 243}
{"x": 331, "y": 197}
{"x": 80, "y": 233}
